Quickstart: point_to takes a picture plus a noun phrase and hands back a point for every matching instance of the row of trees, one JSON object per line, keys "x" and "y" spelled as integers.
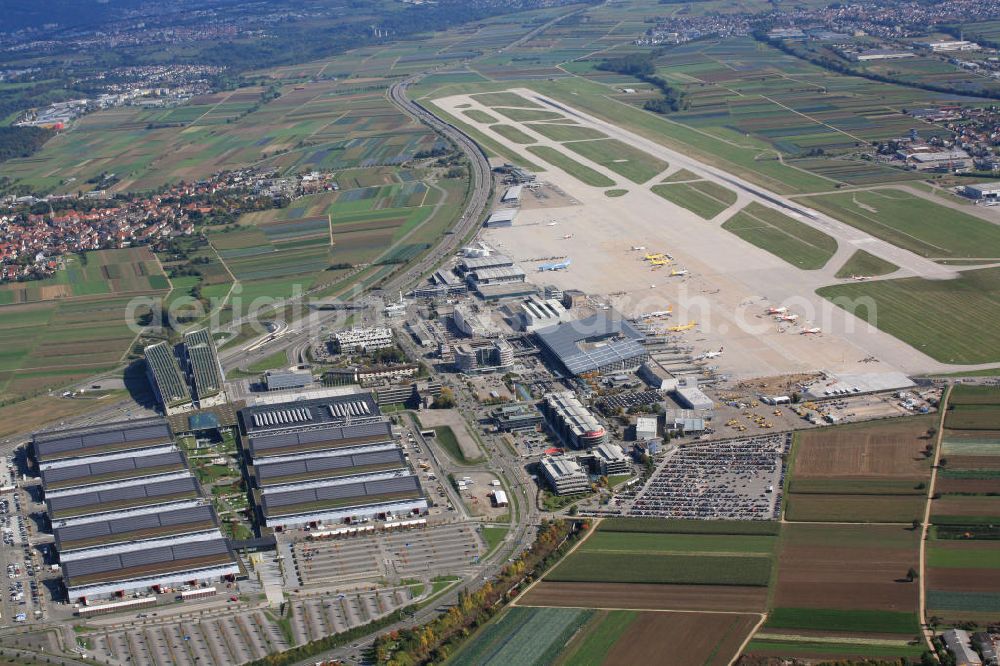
{"x": 642, "y": 66}
{"x": 435, "y": 641}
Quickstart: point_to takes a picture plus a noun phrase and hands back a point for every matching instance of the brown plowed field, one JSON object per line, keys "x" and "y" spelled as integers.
{"x": 849, "y": 567}
{"x": 967, "y": 486}
{"x": 681, "y": 639}
{"x": 963, "y": 580}
{"x": 966, "y": 506}
{"x": 974, "y": 462}
{"x": 890, "y": 449}
{"x": 651, "y": 597}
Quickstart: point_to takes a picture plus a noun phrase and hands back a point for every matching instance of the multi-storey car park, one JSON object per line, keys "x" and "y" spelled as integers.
{"x": 203, "y": 364}
{"x": 571, "y": 421}
{"x": 165, "y": 377}
{"x": 126, "y": 514}
{"x": 327, "y": 460}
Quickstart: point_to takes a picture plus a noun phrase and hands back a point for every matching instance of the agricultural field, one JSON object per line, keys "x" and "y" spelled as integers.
{"x": 840, "y": 587}
{"x": 66, "y": 328}
{"x": 796, "y": 242}
{"x": 95, "y": 273}
{"x": 868, "y": 472}
{"x": 631, "y": 637}
{"x": 522, "y": 636}
{"x": 322, "y": 125}
{"x": 320, "y": 239}
{"x": 643, "y": 563}
{"x": 913, "y": 223}
{"x": 703, "y": 198}
{"x": 865, "y": 264}
{"x": 953, "y": 321}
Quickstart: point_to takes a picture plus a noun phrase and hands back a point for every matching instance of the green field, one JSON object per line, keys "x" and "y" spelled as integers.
{"x": 981, "y": 602}
{"x": 599, "y": 639}
{"x": 625, "y": 550}
{"x": 796, "y": 242}
{"x": 505, "y": 99}
{"x": 512, "y": 133}
{"x": 703, "y": 198}
{"x": 878, "y": 508}
{"x": 525, "y": 636}
{"x": 445, "y": 436}
{"x": 855, "y": 620}
{"x": 863, "y": 263}
{"x": 94, "y": 273}
{"x": 621, "y": 567}
{"x": 829, "y": 650}
{"x": 623, "y": 159}
{"x": 953, "y": 321}
{"x": 668, "y": 526}
{"x": 924, "y": 227}
{"x": 584, "y": 174}
{"x": 979, "y": 555}
{"x": 527, "y": 115}
{"x": 562, "y": 132}
{"x": 480, "y": 116}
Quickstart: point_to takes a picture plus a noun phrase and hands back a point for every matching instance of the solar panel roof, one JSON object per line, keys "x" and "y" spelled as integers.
{"x": 116, "y": 436}
{"x": 110, "y": 564}
{"x": 340, "y": 464}
{"x": 119, "y": 468}
{"x": 272, "y": 501}
{"x": 123, "y": 529}
{"x": 120, "y": 497}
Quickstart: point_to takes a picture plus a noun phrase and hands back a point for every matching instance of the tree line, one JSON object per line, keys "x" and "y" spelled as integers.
{"x": 643, "y": 67}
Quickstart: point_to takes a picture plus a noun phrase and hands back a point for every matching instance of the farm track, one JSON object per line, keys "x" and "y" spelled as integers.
{"x": 926, "y": 524}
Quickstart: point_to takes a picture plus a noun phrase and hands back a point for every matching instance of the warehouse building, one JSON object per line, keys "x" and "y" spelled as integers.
{"x": 958, "y": 643}
{"x": 127, "y": 568}
{"x": 603, "y": 343}
{"x": 564, "y": 475}
{"x": 333, "y": 465}
{"x": 645, "y": 427}
{"x": 165, "y": 377}
{"x": 284, "y": 380}
{"x": 492, "y": 276}
{"x": 692, "y": 397}
{"x": 536, "y": 313}
{"x": 982, "y": 191}
{"x": 512, "y": 195}
{"x": 126, "y": 513}
{"x": 146, "y": 466}
{"x": 64, "y": 447}
{"x": 375, "y": 496}
{"x": 326, "y": 460}
{"x": 478, "y": 262}
{"x": 501, "y": 218}
{"x": 571, "y": 421}
{"x": 204, "y": 368}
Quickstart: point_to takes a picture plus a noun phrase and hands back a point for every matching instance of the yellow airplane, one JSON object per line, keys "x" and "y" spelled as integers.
{"x": 683, "y": 327}
{"x": 652, "y": 257}
{"x": 659, "y": 262}
{"x": 677, "y": 273}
